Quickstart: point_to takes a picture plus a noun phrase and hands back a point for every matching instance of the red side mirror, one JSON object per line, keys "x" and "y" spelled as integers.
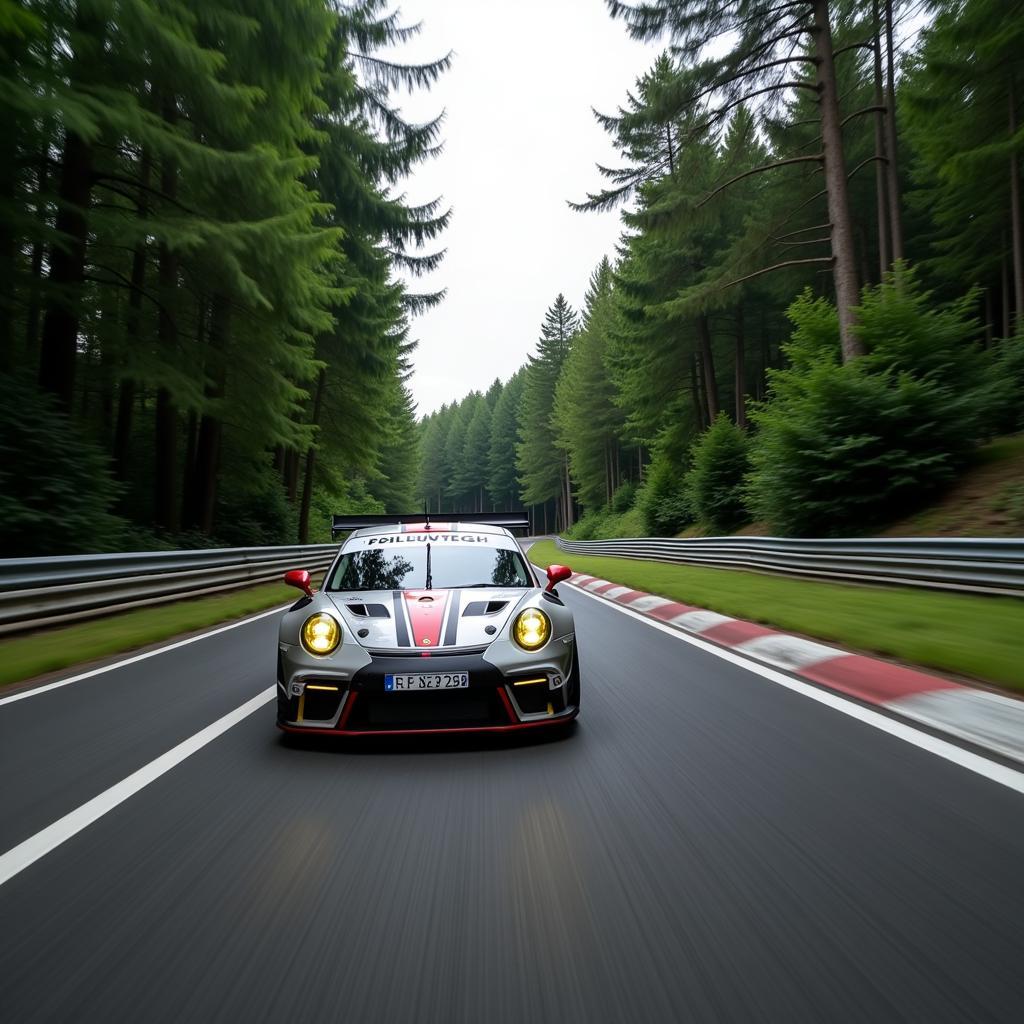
{"x": 557, "y": 573}
{"x": 299, "y": 578}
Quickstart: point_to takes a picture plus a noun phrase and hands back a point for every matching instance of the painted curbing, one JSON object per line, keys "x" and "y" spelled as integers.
{"x": 988, "y": 720}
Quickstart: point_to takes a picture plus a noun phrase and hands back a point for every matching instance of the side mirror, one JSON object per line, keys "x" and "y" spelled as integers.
{"x": 557, "y": 573}
{"x": 299, "y": 578}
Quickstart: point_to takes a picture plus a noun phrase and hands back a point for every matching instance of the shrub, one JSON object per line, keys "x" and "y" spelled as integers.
{"x": 588, "y": 526}
{"x": 623, "y": 498}
{"x": 255, "y": 512}
{"x": 715, "y": 483}
{"x": 840, "y": 449}
{"x": 662, "y": 500}
{"x": 56, "y": 490}
{"x": 1006, "y": 409}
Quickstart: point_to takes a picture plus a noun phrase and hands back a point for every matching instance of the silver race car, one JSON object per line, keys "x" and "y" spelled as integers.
{"x": 427, "y": 627}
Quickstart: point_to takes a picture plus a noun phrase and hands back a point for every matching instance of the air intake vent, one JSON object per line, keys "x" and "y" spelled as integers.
{"x": 371, "y": 611}
{"x": 484, "y": 608}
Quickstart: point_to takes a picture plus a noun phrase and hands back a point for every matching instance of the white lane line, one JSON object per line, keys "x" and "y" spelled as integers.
{"x": 24, "y": 694}
{"x": 991, "y": 770}
{"x": 28, "y": 852}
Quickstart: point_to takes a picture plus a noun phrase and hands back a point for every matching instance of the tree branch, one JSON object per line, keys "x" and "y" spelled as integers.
{"x": 869, "y": 45}
{"x": 864, "y": 110}
{"x": 864, "y": 163}
{"x": 718, "y": 114}
{"x": 801, "y": 231}
{"x": 758, "y": 170}
{"x": 102, "y": 179}
{"x": 809, "y": 241}
{"x": 777, "y": 266}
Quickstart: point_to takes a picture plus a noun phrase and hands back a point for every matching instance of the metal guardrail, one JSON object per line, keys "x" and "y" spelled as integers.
{"x": 34, "y": 591}
{"x": 955, "y": 563}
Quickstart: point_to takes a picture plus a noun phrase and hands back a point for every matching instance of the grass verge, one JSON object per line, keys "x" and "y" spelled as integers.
{"x": 963, "y": 634}
{"x": 49, "y": 649}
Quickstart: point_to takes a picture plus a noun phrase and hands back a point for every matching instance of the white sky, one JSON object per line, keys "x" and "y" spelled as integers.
{"x": 520, "y": 139}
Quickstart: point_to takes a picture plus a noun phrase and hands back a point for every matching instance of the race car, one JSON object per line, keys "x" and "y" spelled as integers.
{"x": 427, "y": 627}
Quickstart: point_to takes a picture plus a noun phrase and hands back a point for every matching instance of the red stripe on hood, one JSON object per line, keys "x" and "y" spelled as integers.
{"x": 426, "y": 610}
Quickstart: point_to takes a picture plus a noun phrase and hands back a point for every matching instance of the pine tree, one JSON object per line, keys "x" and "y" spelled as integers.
{"x": 587, "y": 419}
{"x": 502, "y": 483}
{"x": 542, "y": 465}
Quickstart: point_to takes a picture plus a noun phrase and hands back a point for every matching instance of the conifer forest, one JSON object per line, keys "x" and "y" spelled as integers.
{"x": 813, "y": 319}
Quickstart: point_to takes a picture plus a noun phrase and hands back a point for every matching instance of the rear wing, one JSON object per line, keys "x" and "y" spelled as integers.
{"x": 508, "y": 520}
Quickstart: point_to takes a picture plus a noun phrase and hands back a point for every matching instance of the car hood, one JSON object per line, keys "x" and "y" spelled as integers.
{"x": 427, "y": 620}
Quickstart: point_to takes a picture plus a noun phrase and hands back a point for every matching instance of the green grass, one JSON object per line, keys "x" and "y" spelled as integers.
{"x": 979, "y": 637}
{"x": 48, "y": 649}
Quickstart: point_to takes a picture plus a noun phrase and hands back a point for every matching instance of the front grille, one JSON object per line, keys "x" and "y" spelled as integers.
{"x": 430, "y": 710}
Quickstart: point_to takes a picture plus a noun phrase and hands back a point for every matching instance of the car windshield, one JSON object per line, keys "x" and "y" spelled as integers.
{"x": 450, "y": 567}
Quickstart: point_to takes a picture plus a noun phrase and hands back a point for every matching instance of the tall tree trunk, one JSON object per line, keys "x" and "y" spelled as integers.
{"x": 881, "y": 160}
{"x": 291, "y": 475}
{"x": 42, "y": 185}
{"x": 844, "y": 266}
{"x": 189, "y": 515}
{"x": 695, "y": 392}
{"x": 133, "y": 327}
{"x": 165, "y": 498}
{"x": 892, "y": 166}
{"x": 307, "y": 481}
{"x": 211, "y": 427}
{"x": 1016, "y": 225}
{"x": 707, "y": 362}
{"x": 8, "y": 244}
{"x": 1004, "y": 288}
{"x": 58, "y": 352}
{"x": 741, "y": 370}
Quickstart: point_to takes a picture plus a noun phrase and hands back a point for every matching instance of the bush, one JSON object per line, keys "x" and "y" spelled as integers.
{"x": 254, "y": 512}
{"x": 841, "y": 449}
{"x": 56, "y": 490}
{"x": 623, "y": 498}
{"x": 1006, "y": 409}
{"x": 589, "y": 526}
{"x": 715, "y": 483}
{"x": 662, "y": 500}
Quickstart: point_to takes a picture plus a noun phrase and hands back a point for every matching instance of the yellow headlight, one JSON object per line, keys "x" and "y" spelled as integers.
{"x": 532, "y": 629}
{"x": 321, "y": 634}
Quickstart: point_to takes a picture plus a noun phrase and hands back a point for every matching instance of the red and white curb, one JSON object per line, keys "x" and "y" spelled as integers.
{"x": 989, "y": 720}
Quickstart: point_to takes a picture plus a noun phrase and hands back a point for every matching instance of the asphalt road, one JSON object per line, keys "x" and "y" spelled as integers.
{"x": 707, "y": 846}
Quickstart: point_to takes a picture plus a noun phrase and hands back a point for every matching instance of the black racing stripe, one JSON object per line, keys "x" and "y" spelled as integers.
{"x": 401, "y": 631}
{"x": 452, "y": 626}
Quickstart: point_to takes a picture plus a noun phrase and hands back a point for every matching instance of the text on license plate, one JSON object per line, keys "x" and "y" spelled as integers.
{"x": 426, "y": 681}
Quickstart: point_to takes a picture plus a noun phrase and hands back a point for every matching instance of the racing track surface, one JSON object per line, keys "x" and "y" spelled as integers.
{"x": 707, "y": 846}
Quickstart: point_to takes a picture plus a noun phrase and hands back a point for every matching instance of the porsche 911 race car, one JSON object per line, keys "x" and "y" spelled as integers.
{"x": 427, "y": 627}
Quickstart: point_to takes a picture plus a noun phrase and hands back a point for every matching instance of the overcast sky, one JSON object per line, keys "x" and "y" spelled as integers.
{"x": 520, "y": 139}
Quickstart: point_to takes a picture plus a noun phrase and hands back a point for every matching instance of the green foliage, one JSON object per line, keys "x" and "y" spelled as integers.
{"x": 841, "y": 449}
{"x": 714, "y": 485}
{"x": 1005, "y": 387}
{"x": 538, "y": 456}
{"x": 56, "y": 492}
{"x": 502, "y": 484}
{"x": 198, "y": 244}
{"x": 256, "y": 512}
{"x": 624, "y": 497}
{"x": 663, "y": 501}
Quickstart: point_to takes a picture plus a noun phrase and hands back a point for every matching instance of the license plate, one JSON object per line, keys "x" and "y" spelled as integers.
{"x": 401, "y": 682}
